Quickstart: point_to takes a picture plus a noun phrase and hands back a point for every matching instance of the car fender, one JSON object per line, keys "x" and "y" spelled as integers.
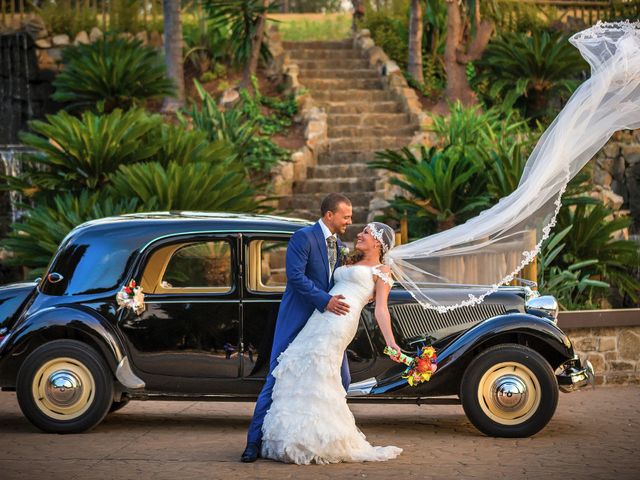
{"x": 462, "y": 348}
{"x": 55, "y": 323}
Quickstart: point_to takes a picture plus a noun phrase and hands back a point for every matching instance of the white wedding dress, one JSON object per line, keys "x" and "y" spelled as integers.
{"x": 309, "y": 420}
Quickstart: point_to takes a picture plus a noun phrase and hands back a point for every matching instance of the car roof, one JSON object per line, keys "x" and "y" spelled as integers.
{"x": 213, "y": 220}
{"x": 136, "y": 230}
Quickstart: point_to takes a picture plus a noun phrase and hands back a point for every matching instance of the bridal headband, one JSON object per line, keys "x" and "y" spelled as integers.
{"x": 378, "y": 234}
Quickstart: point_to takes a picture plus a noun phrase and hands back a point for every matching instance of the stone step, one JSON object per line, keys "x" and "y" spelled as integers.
{"x": 341, "y": 170}
{"x": 319, "y": 44}
{"x": 342, "y": 185}
{"x": 343, "y": 144}
{"x": 325, "y": 53}
{"x": 335, "y": 73}
{"x": 368, "y": 119}
{"x": 316, "y": 84}
{"x": 351, "y": 95}
{"x": 311, "y": 201}
{"x": 345, "y": 157}
{"x": 360, "y": 214}
{"x": 338, "y": 108}
{"x": 366, "y": 131}
{"x": 307, "y": 64}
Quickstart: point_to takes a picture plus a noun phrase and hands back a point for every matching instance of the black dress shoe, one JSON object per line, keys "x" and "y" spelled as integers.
{"x": 251, "y": 453}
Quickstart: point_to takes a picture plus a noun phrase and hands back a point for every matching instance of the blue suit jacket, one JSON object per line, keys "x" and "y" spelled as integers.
{"x": 307, "y": 285}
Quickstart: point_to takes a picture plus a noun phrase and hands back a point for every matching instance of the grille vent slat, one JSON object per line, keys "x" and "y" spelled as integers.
{"x": 414, "y": 321}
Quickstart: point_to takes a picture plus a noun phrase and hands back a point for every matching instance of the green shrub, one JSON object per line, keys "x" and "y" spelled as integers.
{"x": 61, "y": 17}
{"x": 533, "y": 73}
{"x": 78, "y": 153}
{"x": 124, "y": 16}
{"x": 245, "y": 127}
{"x": 446, "y": 187}
{"x": 205, "y": 46}
{"x": 118, "y": 72}
{"x": 238, "y": 20}
{"x": 35, "y": 238}
{"x": 389, "y": 33}
{"x": 208, "y": 186}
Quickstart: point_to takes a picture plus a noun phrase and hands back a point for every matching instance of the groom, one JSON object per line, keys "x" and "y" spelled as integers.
{"x": 312, "y": 257}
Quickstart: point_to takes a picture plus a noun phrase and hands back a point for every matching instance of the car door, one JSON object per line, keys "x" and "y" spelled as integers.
{"x": 263, "y": 285}
{"x": 190, "y": 327}
{"x": 262, "y": 289}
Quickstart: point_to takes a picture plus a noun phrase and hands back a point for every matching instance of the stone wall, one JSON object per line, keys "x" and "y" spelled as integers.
{"x": 616, "y": 175}
{"x": 613, "y": 351}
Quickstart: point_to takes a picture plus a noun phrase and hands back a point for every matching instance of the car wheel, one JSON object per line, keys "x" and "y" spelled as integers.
{"x": 64, "y": 386}
{"x": 509, "y": 391}
{"x": 115, "y": 406}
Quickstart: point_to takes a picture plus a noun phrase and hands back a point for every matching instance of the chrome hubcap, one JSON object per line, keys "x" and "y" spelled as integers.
{"x": 63, "y": 388}
{"x": 509, "y": 393}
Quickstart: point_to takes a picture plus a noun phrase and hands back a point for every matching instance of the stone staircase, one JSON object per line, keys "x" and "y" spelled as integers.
{"x": 362, "y": 118}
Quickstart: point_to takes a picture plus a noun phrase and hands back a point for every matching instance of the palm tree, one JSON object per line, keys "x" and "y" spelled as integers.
{"x": 173, "y": 52}
{"x": 456, "y": 53}
{"x": 415, "y": 42}
{"x": 256, "y": 45}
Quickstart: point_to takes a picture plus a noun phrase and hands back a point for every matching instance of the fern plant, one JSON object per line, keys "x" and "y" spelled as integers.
{"x": 212, "y": 186}
{"x": 76, "y": 153}
{"x": 118, "y": 72}
{"x": 35, "y": 238}
{"x": 529, "y": 71}
{"x": 444, "y": 186}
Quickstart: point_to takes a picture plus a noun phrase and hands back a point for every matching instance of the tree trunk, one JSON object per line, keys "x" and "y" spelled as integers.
{"x": 251, "y": 66}
{"x": 415, "y": 42}
{"x": 173, "y": 53}
{"x": 457, "y": 85}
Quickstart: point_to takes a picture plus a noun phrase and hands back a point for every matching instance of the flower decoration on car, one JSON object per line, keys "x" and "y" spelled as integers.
{"x": 131, "y": 296}
{"x": 419, "y": 368}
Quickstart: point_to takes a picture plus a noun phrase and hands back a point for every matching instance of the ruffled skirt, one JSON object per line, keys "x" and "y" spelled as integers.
{"x": 309, "y": 420}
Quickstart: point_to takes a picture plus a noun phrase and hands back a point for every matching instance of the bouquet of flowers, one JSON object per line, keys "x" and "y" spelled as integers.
{"x": 419, "y": 368}
{"x": 131, "y": 296}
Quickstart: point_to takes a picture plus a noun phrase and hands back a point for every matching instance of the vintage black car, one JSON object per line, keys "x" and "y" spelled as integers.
{"x": 212, "y": 285}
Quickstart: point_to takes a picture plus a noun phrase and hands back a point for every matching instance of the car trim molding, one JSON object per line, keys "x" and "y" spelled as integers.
{"x": 212, "y": 232}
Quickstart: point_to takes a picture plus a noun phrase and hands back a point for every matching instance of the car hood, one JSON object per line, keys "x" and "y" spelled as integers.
{"x": 12, "y": 298}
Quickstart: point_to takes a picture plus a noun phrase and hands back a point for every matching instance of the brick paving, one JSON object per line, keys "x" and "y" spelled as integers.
{"x": 594, "y": 434}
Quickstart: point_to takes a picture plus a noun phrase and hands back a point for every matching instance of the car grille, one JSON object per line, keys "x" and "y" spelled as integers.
{"x": 415, "y": 321}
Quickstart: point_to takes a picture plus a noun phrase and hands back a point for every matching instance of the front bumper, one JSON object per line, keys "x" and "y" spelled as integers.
{"x": 574, "y": 375}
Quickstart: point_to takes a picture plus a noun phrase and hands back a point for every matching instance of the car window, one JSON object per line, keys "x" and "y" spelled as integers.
{"x": 266, "y": 265}
{"x": 201, "y": 265}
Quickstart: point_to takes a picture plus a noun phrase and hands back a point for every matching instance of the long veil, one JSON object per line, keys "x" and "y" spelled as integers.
{"x": 490, "y": 249}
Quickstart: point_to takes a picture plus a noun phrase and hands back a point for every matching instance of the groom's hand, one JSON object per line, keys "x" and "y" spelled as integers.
{"x": 337, "y": 306}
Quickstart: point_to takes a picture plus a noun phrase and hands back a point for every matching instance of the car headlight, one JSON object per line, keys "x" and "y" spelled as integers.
{"x": 545, "y": 305}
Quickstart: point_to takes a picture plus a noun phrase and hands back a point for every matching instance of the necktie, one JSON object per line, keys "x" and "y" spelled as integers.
{"x": 332, "y": 253}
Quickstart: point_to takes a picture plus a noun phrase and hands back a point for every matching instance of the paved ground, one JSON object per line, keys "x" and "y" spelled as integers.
{"x": 594, "y": 434}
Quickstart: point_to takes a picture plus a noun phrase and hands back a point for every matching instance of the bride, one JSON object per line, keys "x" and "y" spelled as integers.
{"x": 309, "y": 420}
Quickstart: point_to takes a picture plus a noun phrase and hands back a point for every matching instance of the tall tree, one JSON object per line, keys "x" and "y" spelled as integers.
{"x": 251, "y": 66}
{"x": 415, "y": 41}
{"x": 173, "y": 53}
{"x": 456, "y": 52}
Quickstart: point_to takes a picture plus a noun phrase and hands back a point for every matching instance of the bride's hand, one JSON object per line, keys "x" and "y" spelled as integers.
{"x": 395, "y": 346}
